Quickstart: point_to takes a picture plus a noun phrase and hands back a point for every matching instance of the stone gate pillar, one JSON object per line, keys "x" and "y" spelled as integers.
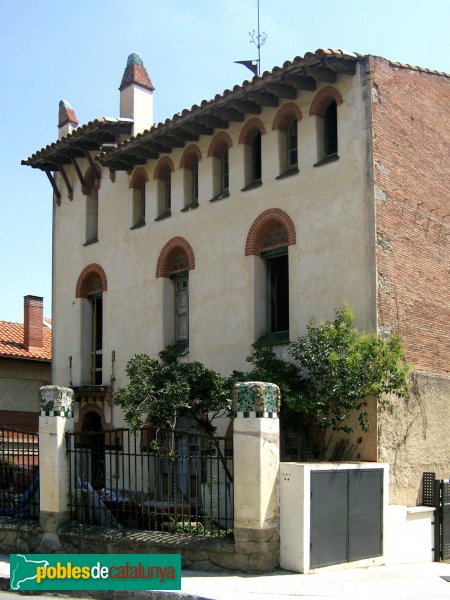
{"x": 256, "y": 451}
{"x": 55, "y": 420}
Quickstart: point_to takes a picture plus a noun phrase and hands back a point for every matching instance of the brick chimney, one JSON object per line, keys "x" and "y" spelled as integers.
{"x": 33, "y": 318}
{"x": 136, "y": 94}
{"x": 67, "y": 119}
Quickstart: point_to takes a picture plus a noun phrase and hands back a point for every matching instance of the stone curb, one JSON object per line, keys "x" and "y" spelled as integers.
{"x": 106, "y": 594}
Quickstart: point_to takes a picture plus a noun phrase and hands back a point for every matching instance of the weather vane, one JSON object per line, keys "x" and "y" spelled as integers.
{"x": 258, "y": 39}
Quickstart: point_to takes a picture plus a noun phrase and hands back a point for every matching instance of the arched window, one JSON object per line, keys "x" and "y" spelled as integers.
{"x": 268, "y": 238}
{"x": 324, "y": 106}
{"x": 90, "y": 190}
{"x": 286, "y": 122}
{"x": 189, "y": 162}
{"x": 174, "y": 263}
{"x": 251, "y": 137}
{"x": 218, "y": 149}
{"x": 163, "y": 175}
{"x": 330, "y": 130}
{"x": 90, "y": 287}
{"x": 137, "y": 185}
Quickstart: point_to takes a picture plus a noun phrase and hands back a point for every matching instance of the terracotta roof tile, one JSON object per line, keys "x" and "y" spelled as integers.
{"x": 11, "y": 342}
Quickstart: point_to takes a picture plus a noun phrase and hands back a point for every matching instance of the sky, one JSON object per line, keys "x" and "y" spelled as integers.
{"x": 77, "y": 51}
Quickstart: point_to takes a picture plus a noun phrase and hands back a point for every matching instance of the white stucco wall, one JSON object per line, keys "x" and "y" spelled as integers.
{"x": 331, "y": 262}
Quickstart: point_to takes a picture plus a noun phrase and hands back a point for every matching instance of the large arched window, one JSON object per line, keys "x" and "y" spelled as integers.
{"x": 90, "y": 287}
{"x": 268, "y": 238}
{"x": 174, "y": 263}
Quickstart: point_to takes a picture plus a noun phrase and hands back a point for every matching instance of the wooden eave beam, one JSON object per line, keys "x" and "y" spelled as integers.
{"x": 302, "y": 83}
{"x": 246, "y": 107}
{"x": 281, "y": 91}
{"x": 141, "y": 152}
{"x": 213, "y": 121}
{"x": 171, "y": 140}
{"x": 229, "y": 114}
{"x": 78, "y": 171}
{"x": 198, "y": 128}
{"x": 186, "y": 135}
{"x": 53, "y": 184}
{"x": 156, "y": 146}
{"x": 92, "y": 163}
{"x": 322, "y": 74}
{"x": 342, "y": 65}
{"x": 263, "y": 99}
{"x": 66, "y": 181}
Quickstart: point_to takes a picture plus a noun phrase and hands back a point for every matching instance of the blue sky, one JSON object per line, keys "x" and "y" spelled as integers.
{"x": 55, "y": 49}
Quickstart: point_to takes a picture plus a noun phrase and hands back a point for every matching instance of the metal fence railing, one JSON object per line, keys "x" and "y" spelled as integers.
{"x": 19, "y": 474}
{"x": 436, "y": 492}
{"x": 180, "y": 483}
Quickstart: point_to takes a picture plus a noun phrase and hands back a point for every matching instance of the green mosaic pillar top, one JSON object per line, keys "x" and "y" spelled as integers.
{"x": 56, "y": 401}
{"x": 256, "y": 399}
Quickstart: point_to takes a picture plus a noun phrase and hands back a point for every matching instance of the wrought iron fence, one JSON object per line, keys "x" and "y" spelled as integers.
{"x": 19, "y": 474}
{"x": 182, "y": 482}
{"x": 436, "y": 493}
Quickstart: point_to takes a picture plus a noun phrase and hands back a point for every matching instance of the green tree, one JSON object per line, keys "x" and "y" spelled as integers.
{"x": 161, "y": 389}
{"x": 339, "y": 367}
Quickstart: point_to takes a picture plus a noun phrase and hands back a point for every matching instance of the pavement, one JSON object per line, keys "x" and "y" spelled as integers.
{"x": 413, "y": 581}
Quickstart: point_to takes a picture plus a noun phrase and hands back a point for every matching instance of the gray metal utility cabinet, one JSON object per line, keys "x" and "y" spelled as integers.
{"x": 332, "y": 513}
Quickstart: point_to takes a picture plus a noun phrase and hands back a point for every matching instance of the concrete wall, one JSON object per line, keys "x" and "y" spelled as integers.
{"x": 330, "y": 262}
{"x": 20, "y": 381}
{"x": 413, "y": 436}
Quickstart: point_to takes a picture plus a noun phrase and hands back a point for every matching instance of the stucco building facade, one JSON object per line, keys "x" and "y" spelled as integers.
{"x": 237, "y": 220}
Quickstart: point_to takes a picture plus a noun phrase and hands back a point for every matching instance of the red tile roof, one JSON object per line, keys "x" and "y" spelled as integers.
{"x": 11, "y": 342}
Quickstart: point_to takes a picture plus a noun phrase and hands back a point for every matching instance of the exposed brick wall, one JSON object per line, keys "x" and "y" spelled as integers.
{"x": 33, "y": 329}
{"x": 411, "y": 130}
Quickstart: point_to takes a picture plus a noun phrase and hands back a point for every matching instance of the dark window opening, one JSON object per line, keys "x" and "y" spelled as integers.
{"x": 224, "y": 171}
{"x": 292, "y": 149}
{"x": 331, "y": 141}
{"x": 256, "y": 158}
{"x": 194, "y": 182}
{"x": 278, "y": 292}
{"x": 97, "y": 339}
{"x": 181, "y": 311}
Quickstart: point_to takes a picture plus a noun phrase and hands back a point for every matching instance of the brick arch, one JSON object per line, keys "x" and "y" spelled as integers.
{"x": 176, "y": 255}
{"x": 87, "y": 408}
{"x": 274, "y": 223}
{"x": 139, "y": 178}
{"x": 285, "y": 115}
{"x": 189, "y": 156}
{"x": 92, "y": 279}
{"x": 91, "y": 180}
{"x": 250, "y": 129}
{"x": 163, "y": 168}
{"x": 218, "y": 144}
{"x": 323, "y": 99}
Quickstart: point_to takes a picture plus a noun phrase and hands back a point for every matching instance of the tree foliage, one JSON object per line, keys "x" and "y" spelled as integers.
{"x": 334, "y": 369}
{"x": 161, "y": 389}
{"x": 340, "y": 367}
